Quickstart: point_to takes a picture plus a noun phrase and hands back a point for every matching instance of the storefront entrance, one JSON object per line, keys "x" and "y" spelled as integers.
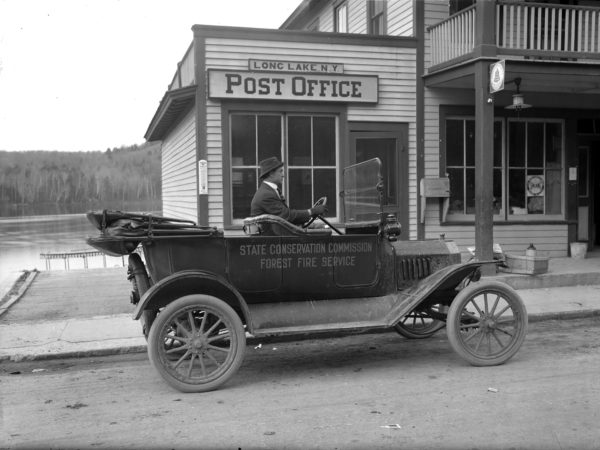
{"x": 388, "y": 142}
{"x": 588, "y": 207}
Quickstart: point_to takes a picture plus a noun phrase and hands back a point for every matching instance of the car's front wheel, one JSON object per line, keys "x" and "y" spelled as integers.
{"x": 197, "y": 343}
{"x": 487, "y": 323}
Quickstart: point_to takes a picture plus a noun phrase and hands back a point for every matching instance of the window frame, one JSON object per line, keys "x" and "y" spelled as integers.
{"x": 337, "y": 9}
{"x": 373, "y": 16}
{"x": 235, "y": 107}
{"x": 504, "y": 214}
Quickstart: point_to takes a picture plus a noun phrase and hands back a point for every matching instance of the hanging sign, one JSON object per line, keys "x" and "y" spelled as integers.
{"x": 292, "y": 86}
{"x": 497, "y": 72}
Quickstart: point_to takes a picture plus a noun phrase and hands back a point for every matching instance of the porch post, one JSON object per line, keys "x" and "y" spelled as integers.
{"x": 485, "y": 46}
{"x": 484, "y": 163}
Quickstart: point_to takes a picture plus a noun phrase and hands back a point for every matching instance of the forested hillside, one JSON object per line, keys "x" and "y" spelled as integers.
{"x": 121, "y": 174}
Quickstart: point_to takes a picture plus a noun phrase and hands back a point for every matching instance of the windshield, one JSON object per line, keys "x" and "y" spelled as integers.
{"x": 362, "y": 192}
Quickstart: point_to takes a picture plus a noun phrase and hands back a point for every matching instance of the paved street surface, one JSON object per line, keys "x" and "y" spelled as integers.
{"x": 357, "y": 392}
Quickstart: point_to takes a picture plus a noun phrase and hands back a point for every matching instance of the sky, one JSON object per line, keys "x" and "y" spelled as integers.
{"x": 86, "y": 75}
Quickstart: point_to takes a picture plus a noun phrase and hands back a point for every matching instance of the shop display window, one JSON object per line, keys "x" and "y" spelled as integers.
{"x": 306, "y": 143}
{"x": 528, "y": 170}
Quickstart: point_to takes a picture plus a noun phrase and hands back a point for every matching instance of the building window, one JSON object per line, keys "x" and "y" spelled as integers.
{"x": 376, "y": 16}
{"x": 306, "y": 143}
{"x": 535, "y": 168}
{"x": 341, "y": 18}
{"x": 527, "y": 173}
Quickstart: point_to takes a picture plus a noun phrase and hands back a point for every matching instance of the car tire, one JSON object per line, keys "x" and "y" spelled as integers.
{"x": 487, "y": 323}
{"x": 197, "y": 343}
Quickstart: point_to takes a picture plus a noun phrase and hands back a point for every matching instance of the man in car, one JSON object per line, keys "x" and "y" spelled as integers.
{"x": 269, "y": 200}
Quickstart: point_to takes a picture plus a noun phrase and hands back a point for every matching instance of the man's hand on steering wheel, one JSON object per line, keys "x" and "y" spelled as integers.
{"x": 318, "y": 209}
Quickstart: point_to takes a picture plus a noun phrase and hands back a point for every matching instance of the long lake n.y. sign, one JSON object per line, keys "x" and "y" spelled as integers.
{"x": 292, "y": 86}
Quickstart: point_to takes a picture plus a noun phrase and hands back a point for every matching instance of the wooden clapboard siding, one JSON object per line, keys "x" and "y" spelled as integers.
{"x": 395, "y": 67}
{"x": 399, "y": 17}
{"x": 400, "y": 20}
{"x": 357, "y": 16}
{"x": 435, "y": 12}
{"x": 214, "y": 147}
{"x": 549, "y": 240}
{"x": 326, "y": 19}
{"x": 179, "y": 184}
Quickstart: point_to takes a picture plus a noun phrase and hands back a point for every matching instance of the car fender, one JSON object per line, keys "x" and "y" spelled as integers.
{"x": 189, "y": 282}
{"x": 443, "y": 283}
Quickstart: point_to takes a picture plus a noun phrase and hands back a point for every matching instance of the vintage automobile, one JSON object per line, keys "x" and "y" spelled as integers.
{"x": 200, "y": 294}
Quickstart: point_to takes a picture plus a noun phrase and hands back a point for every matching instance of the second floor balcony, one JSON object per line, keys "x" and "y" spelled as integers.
{"x": 522, "y": 29}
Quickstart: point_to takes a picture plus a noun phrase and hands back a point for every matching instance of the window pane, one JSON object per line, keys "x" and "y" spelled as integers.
{"x": 243, "y": 182}
{"x": 299, "y": 140}
{"x": 341, "y": 15}
{"x": 553, "y": 191}
{"x": 300, "y": 188}
{"x": 385, "y": 150}
{"x": 470, "y": 194}
{"x": 470, "y": 142}
{"x": 324, "y": 141}
{"x": 497, "y": 189}
{"x": 553, "y": 145}
{"x": 535, "y": 191}
{"x": 516, "y": 191}
{"x": 535, "y": 144}
{"x": 457, "y": 204}
{"x": 582, "y": 172}
{"x": 269, "y": 137}
{"x": 516, "y": 144}
{"x": 454, "y": 143}
{"x": 325, "y": 186}
{"x": 243, "y": 140}
{"x": 497, "y": 144}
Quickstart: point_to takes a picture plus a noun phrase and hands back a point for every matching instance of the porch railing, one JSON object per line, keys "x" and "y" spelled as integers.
{"x": 453, "y": 37}
{"x": 547, "y": 27}
{"x": 538, "y": 30}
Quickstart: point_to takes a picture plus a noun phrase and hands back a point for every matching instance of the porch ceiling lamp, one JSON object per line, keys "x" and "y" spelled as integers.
{"x": 518, "y": 102}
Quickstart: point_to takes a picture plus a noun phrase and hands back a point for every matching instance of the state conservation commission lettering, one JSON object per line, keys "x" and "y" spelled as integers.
{"x": 306, "y": 255}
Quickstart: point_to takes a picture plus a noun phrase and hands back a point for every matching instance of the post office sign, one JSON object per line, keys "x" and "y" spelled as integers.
{"x": 292, "y": 86}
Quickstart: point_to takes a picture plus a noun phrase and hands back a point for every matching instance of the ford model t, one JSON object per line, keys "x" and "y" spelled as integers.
{"x": 199, "y": 294}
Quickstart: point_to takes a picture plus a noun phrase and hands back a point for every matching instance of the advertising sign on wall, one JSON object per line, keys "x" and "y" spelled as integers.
{"x": 292, "y": 86}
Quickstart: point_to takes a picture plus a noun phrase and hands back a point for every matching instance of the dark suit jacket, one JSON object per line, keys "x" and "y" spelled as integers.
{"x": 266, "y": 201}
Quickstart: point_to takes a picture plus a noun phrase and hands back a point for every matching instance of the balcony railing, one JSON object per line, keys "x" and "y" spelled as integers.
{"x": 526, "y": 29}
{"x": 184, "y": 76}
{"x": 454, "y": 37}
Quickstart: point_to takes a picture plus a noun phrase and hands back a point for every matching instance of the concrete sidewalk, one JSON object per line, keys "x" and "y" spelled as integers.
{"x": 570, "y": 289}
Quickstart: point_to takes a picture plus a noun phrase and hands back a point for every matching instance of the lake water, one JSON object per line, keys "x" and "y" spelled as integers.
{"x": 23, "y": 239}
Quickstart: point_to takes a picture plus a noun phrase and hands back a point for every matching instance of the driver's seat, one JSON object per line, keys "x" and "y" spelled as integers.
{"x": 271, "y": 225}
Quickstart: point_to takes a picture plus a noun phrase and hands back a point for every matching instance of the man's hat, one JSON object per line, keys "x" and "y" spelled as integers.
{"x": 269, "y": 165}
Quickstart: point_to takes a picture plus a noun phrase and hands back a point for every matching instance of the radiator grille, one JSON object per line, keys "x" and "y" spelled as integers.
{"x": 414, "y": 268}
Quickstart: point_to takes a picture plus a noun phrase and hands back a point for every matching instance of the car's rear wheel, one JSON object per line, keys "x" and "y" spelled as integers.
{"x": 487, "y": 323}
{"x": 197, "y": 343}
{"x": 420, "y": 324}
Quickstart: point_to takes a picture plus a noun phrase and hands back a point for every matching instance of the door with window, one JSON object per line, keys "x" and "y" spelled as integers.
{"x": 389, "y": 144}
{"x": 306, "y": 143}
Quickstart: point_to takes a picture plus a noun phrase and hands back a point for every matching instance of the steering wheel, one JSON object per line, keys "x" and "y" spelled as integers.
{"x": 321, "y": 201}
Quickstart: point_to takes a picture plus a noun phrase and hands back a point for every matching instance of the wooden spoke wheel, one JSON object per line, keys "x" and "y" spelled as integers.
{"x": 197, "y": 343}
{"x": 420, "y": 324}
{"x": 487, "y": 323}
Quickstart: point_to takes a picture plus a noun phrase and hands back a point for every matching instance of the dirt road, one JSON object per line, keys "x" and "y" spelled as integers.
{"x": 364, "y": 391}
